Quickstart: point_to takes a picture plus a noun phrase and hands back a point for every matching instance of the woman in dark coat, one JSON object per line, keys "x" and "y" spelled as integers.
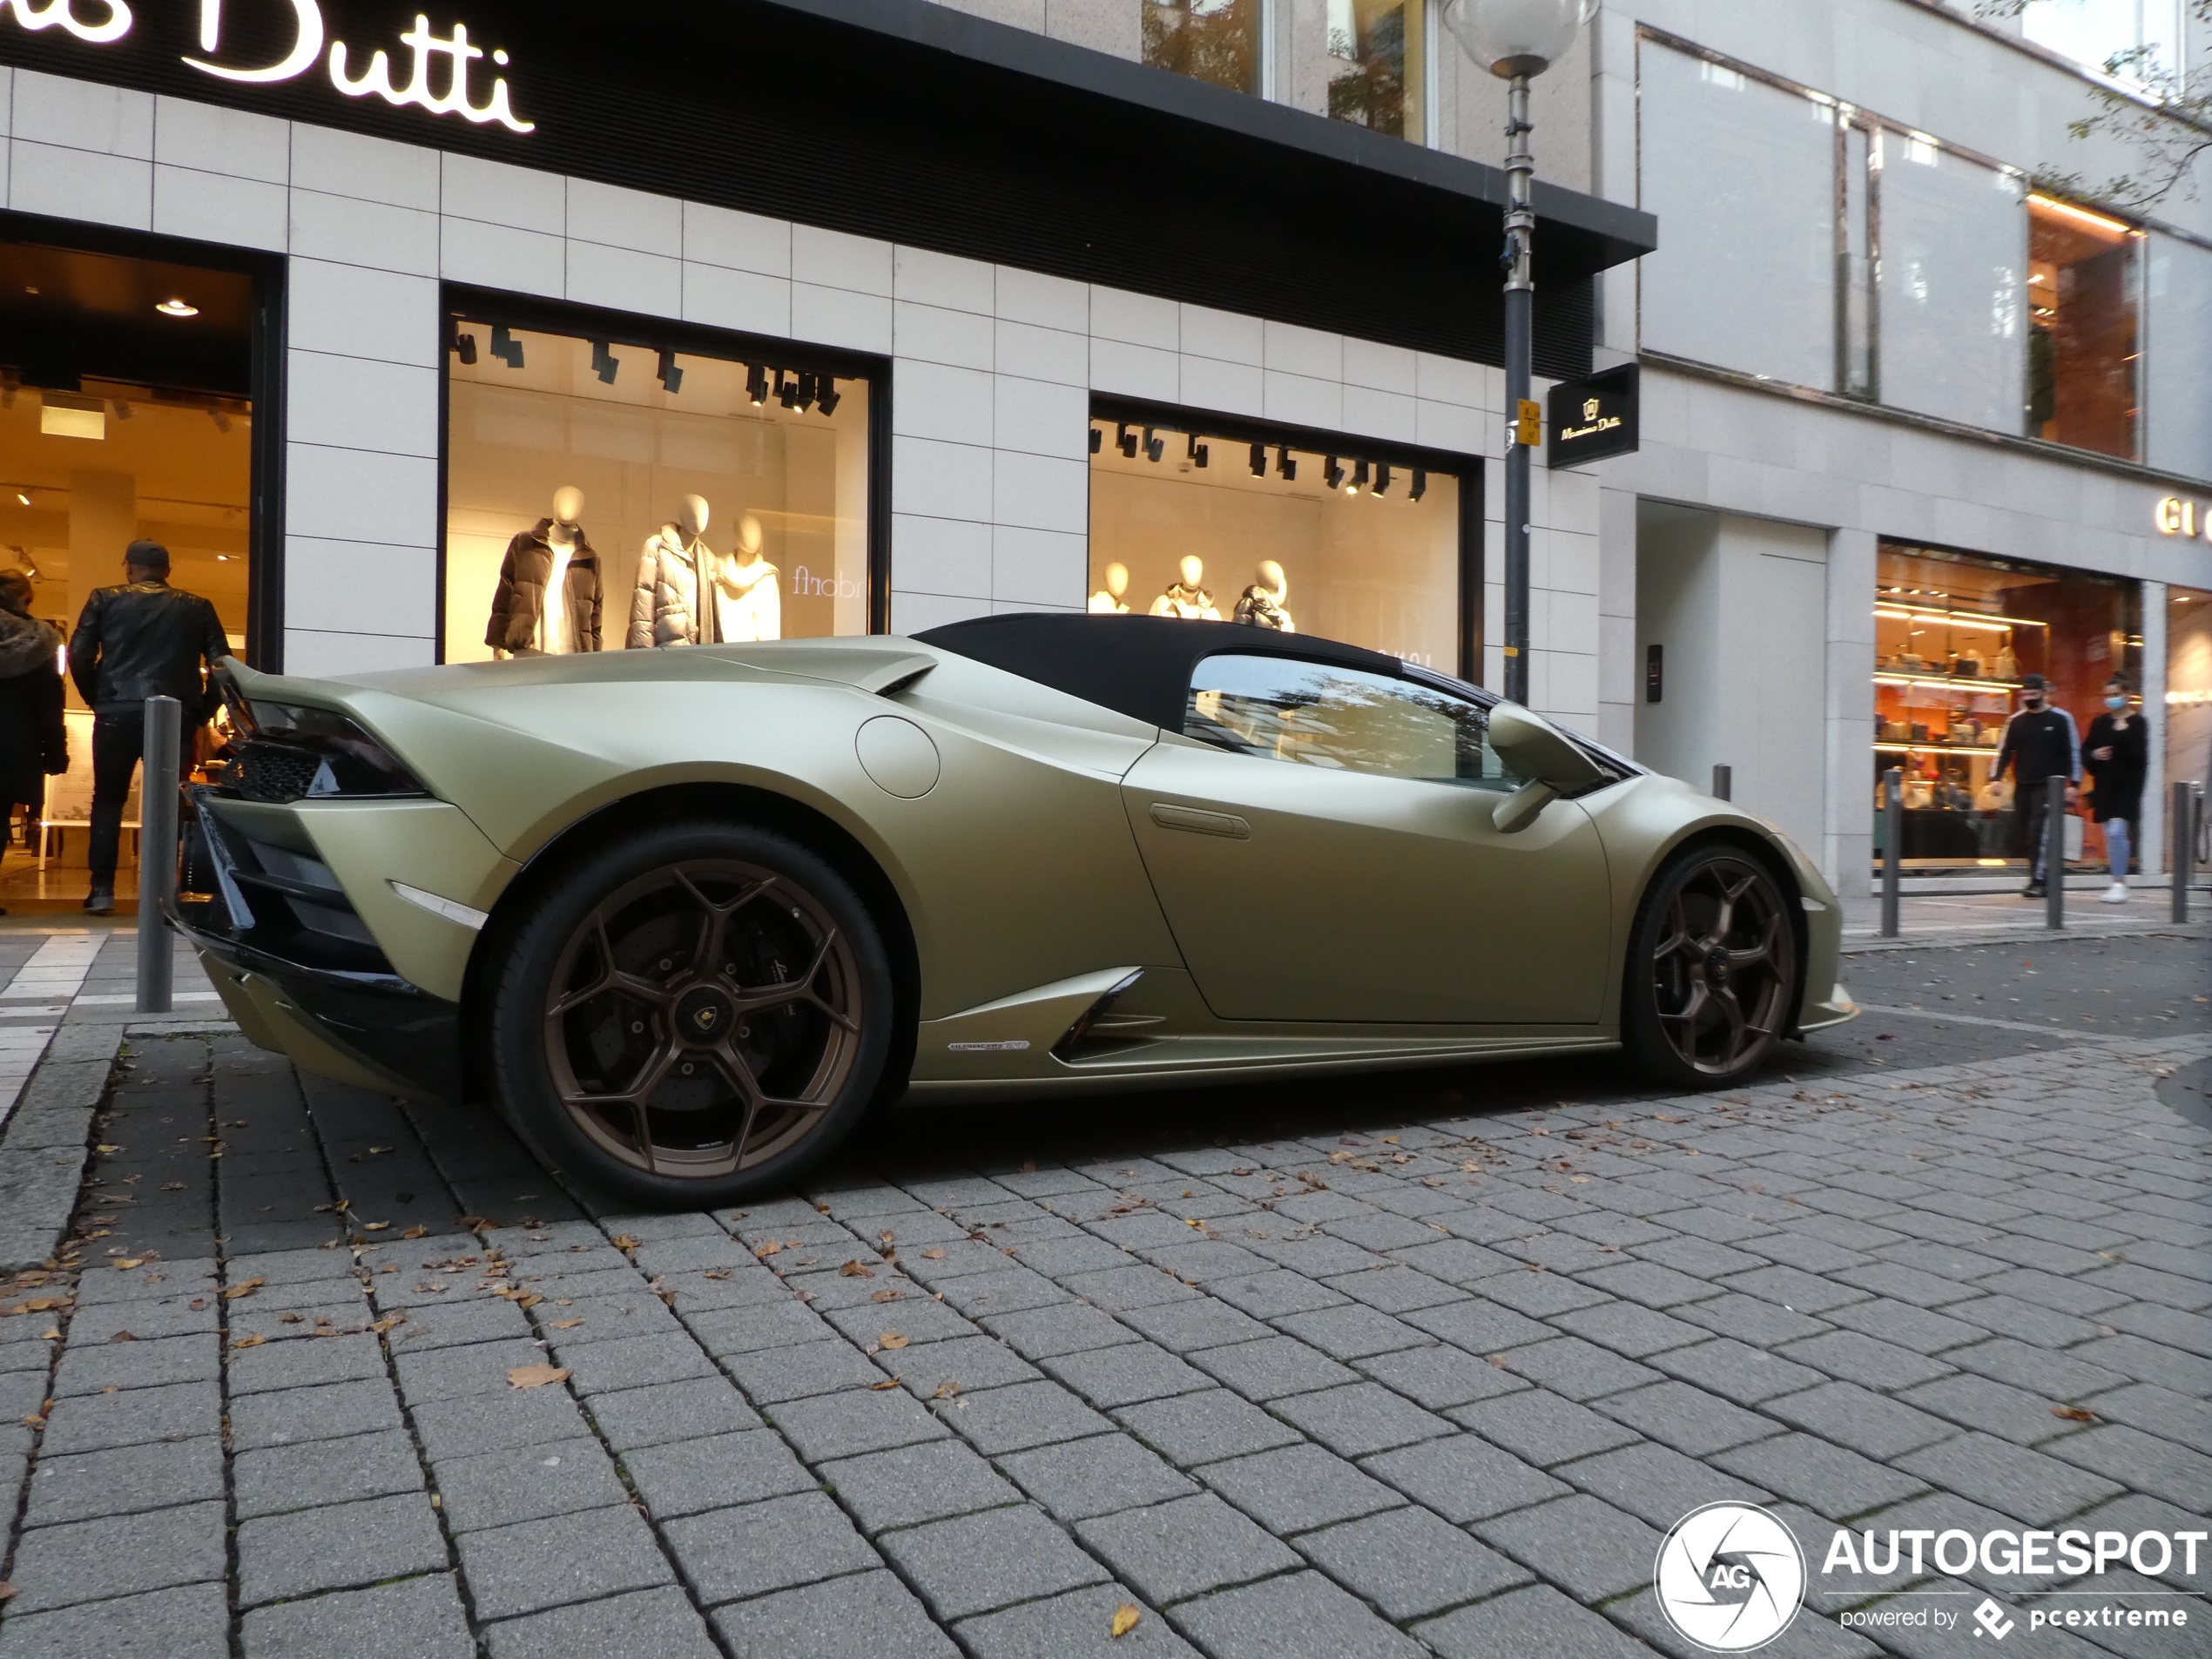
{"x": 32, "y": 742}
{"x": 2117, "y": 754}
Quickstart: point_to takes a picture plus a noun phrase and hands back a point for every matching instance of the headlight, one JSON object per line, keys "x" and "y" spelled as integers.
{"x": 295, "y": 752}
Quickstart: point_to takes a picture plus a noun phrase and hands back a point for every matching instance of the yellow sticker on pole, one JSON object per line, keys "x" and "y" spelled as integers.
{"x": 1529, "y": 429}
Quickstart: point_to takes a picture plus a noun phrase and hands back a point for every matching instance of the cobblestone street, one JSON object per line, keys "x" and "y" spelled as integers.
{"x": 1390, "y": 1366}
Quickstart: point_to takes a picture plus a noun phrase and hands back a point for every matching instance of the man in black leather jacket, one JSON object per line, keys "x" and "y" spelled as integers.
{"x": 143, "y": 639}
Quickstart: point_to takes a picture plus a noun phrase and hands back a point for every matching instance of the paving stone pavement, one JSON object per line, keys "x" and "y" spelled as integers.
{"x": 1436, "y": 1383}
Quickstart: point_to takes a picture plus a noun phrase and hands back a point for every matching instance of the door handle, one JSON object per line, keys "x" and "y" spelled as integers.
{"x": 1200, "y": 822}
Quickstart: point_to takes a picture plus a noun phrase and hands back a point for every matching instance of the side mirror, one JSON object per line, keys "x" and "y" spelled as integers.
{"x": 1533, "y": 748}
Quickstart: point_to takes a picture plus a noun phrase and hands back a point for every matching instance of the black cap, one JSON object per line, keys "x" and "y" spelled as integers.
{"x": 147, "y": 555}
{"x": 2031, "y": 682}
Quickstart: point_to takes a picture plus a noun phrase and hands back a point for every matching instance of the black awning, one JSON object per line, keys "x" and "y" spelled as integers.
{"x": 913, "y": 122}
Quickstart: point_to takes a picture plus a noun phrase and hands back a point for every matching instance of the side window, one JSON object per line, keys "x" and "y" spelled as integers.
{"x": 1345, "y": 719}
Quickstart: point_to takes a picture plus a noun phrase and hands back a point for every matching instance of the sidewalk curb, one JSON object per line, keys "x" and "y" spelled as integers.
{"x": 46, "y": 1145}
{"x": 2026, "y": 937}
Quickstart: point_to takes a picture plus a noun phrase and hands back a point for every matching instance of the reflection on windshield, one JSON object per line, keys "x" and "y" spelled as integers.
{"x": 1347, "y": 720}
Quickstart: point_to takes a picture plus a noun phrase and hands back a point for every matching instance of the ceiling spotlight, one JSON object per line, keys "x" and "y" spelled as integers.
{"x": 1285, "y": 464}
{"x": 1125, "y": 440}
{"x": 669, "y": 376}
{"x": 603, "y": 362}
{"x": 1419, "y": 487}
{"x": 178, "y": 308}
{"x": 1333, "y": 473}
{"x": 786, "y": 390}
{"x": 506, "y": 348}
{"x": 464, "y": 345}
{"x": 122, "y": 408}
{"x": 1259, "y": 460}
{"x": 1382, "y": 476}
{"x": 827, "y": 397}
{"x": 21, "y": 498}
{"x": 1358, "y": 479}
{"x": 1097, "y": 440}
{"x": 806, "y": 383}
{"x": 756, "y": 384}
{"x": 1155, "y": 445}
{"x": 222, "y": 558}
{"x": 222, "y": 421}
{"x": 1195, "y": 451}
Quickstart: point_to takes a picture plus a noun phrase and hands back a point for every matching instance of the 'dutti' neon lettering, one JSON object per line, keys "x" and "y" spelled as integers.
{"x": 376, "y": 79}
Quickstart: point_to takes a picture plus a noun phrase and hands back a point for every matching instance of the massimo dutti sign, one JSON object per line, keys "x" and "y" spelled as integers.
{"x": 1590, "y": 420}
{"x": 440, "y": 74}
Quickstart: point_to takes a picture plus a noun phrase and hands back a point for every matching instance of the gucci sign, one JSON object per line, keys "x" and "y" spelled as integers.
{"x": 2177, "y": 515}
{"x": 437, "y": 77}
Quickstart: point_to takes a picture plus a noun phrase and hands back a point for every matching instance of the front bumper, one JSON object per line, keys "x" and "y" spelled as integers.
{"x": 299, "y": 971}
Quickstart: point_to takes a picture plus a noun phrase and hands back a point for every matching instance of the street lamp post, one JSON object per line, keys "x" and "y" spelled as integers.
{"x": 1516, "y": 40}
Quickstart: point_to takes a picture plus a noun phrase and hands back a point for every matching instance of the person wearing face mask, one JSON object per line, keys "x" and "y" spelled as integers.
{"x": 2041, "y": 741}
{"x": 2118, "y": 751}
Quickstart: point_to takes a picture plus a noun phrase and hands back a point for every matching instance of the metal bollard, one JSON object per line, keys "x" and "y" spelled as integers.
{"x": 1893, "y": 845}
{"x": 1723, "y": 782}
{"x": 2180, "y": 862}
{"x": 158, "y": 849}
{"x": 2054, "y": 852}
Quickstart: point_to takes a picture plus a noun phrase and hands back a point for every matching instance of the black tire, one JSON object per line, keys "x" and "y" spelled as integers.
{"x": 694, "y": 1014}
{"x": 1710, "y": 984}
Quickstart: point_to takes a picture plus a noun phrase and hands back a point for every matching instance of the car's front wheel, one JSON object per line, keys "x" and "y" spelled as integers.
{"x": 1712, "y": 969}
{"x": 695, "y": 1014}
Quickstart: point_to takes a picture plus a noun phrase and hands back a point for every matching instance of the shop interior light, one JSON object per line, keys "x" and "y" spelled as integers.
{"x": 1155, "y": 445}
{"x": 21, "y": 498}
{"x": 1125, "y": 440}
{"x": 178, "y": 308}
{"x": 464, "y": 345}
{"x": 506, "y": 348}
{"x": 1259, "y": 460}
{"x": 756, "y": 384}
{"x": 604, "y": 363}
{"x": 1984, "y": 619}
{"x": 786, "y": 388}
{"x": 1358, "y": 479}
{"x": 1382, "y": 476}
{"x": 670, "y": 375}
{"x": 1097, "y": 440}
{"x": 2081, "y": 216}
{"x": 1332, "y": 473}
{"x": 1419, "y": 485}
{"x": 1194, "y": 451}
{"x": 1285, "y": 463}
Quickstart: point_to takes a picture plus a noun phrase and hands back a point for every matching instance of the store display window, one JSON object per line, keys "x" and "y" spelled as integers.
{"x": 1955, "y": 635}
{"x": 1349, "y": 540}
{"x": 1378, "y": 65}
{"x": 2083, "y": 298}
{"x": 1207, "y": 40}
{"x": 610, "y": 494}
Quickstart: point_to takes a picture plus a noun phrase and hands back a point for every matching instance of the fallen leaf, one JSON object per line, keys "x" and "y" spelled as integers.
{"x": 886, "y": 1294}
{"x": 855, "y": 1270}
{"x": 623, "y": 1241}
{"x": 1664, "y": 1118}
{"x": 104, "y": 1147}
{"x": 130, "y": 1262}
{"x": 173, "y": 1186}
{"x": 888, "y": 1382}
{"x": 288, "y": 1319}
{"x": 385, "y": 1323}
{"x": 1578, "y": 1177}
{"x": 933, "y": 1255}
{"x": 528, "y": 1302}
{"x": 374, "y": 1226}
{"x": 6, "y": 1589}
{"x": 772, "y": 1248}
{"x": 249, "y": 1342}
{"x": 565, "y": 1325}
{"x": 2073, "y": 1413}
{"x": 197, "y": 1304}
{"x": 892, "y": 1340}
{"x": 536, "y": 1376}
{"x": 716, "y": 1272}
{"x": 946, "y": 1391}
{"x": 1125, "y": 1618}
{"x": 123, "y": 1336}
{"x": 884, "y": 1239}
{"x": 416, "y": 1233}
{"x": 246, "y": 1289}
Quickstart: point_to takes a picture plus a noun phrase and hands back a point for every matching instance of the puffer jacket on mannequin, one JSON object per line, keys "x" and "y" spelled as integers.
{"x": 666, "y": 607}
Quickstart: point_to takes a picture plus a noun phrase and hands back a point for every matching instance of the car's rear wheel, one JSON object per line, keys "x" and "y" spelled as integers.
{"x": 1712, "y": 969}
{"x": 696, "y": 1013}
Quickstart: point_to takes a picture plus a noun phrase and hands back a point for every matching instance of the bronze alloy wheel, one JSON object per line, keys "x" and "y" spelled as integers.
{"x": 1723, "y": 963}
{"x": 703, "y": 1019}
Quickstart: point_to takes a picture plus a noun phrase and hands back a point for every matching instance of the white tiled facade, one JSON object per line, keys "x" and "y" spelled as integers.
{"x": 993, "y": 366}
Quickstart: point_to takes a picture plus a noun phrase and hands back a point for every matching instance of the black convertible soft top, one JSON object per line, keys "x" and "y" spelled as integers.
{"x": 1139, "y": 666}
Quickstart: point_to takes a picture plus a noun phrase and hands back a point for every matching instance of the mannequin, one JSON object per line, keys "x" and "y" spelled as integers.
{"x": 1107, "y": 602}
{"x": 1261, "y": 604}
{"x": 549, "y": 598}
{"x": 746, "y": 604}
{"x": 1188, "y": 597}
{"x": 675, "y": 579}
